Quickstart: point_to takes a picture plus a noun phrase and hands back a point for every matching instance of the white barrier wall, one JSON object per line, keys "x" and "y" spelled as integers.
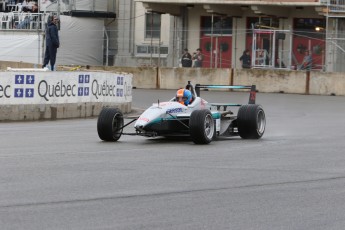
{"x": 61, "y": 94}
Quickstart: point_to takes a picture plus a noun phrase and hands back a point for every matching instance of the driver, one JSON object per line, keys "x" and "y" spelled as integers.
{"x": 184, "y": 96}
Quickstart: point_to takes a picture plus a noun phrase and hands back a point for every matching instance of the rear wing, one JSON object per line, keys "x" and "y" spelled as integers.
{"x": 252, "y": 95}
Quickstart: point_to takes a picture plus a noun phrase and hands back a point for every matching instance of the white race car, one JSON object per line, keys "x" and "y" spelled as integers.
{"x": 201, "y": 120}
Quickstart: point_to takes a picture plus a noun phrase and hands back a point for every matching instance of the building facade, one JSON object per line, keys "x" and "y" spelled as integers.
{"x": 155, "y": 32}
{"x": 277, "y": 33}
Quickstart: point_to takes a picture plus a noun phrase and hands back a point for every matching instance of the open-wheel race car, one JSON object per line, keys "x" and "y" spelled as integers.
{"x": 201, "y": 120}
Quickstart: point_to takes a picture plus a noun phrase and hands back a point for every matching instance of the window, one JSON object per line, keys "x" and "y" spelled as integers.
{"x": 153, "y": 25}
{"x": 221, "y": 25}
{"x": 262, "y": 23}
{"x": 308, "y": 27}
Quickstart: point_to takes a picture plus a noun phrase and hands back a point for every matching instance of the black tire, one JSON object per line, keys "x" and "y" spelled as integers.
{"x": 202, "y": 127}
{"x": 109, "y": 124}
{"x": 251, "y": 121}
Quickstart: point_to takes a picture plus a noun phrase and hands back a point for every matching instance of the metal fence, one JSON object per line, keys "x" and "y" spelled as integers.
{"x": 22, "y": 20}
{"x": 334, "y": 6}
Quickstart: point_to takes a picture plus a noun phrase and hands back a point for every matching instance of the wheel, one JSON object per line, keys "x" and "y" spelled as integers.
{"x": 109, "y": 124}
{"x": 251, "y": 121}
{"x": 201, "y": 126}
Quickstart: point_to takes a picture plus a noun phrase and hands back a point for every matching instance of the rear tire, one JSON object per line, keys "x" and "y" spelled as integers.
{"x": 251, "y": 121}
{"x": 109, "y": 124}
{"x": 202, "y": 126}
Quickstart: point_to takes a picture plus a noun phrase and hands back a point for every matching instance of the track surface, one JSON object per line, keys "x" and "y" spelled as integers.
{"x": 59, "y": 175}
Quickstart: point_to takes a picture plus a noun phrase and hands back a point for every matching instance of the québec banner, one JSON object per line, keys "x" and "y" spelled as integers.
{"x": 64, "y": 87}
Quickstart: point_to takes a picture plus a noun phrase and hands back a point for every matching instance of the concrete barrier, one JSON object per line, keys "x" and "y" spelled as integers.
{"x": 327, "y": 84}
{"x": 52, "y": 112}
{"x": 174, "y": 78}
{"x": 31, "y": 95}
{"x": 267, "y": 80}
{"x": 23, "y": 108}
{"x": 143, "y": 77}
{"x": 272, "y": 81}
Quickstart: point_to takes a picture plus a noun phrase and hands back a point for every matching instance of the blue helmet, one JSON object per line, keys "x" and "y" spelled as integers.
{"x": 184, "y": 96}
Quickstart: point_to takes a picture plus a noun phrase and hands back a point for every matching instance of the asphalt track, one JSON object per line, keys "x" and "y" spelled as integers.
{"x": 59, "y": 175}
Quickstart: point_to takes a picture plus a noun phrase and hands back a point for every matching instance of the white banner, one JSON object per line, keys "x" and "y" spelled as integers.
{"x": 21, "y": 47}
{"x": 64, "y": 87}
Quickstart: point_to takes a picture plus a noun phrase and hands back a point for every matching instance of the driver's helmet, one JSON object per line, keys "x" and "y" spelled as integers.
{"x": 183, "y": 96}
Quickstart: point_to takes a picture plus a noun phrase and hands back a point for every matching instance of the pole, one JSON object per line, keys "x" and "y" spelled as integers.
{"x": 151, "y": 48}
{"x": 159, "y": 48}
{"x": 220, "y": 46}
{"x": 58, "y": 9}
{"x": 211, "y": 51}
{"x": 233, "y": 65}
{"x": 107, "y": 47}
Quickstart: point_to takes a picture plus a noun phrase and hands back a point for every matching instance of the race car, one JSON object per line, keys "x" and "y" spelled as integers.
{"x": 200, "y": 120}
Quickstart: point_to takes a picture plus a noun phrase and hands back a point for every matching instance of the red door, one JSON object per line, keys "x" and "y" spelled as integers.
{"x": 220, "y": 57}
{"x": 315, "y": 46}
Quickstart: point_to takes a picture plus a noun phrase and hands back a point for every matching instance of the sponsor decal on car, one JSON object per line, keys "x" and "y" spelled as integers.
{"x": 174, "y": 110}
{"x": 143, "y": 119}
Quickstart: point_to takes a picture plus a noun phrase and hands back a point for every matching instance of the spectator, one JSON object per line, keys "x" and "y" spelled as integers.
{"x": 246, "y": 59}
{"x": 29, "y": 6}
{"x": 19, "y": 6}
{"x": 307, "y": 61}
{"x": 25, "y": 6}
{"x": 34, "y": 8}
{"x": 186, "y": 59}
{"x": 25, "y": 24}
{"x": 52, "y": 43}
{"x": 198, "y": 57}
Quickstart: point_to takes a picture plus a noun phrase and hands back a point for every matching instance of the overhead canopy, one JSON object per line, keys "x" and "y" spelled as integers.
{"x": 232, "y": 8}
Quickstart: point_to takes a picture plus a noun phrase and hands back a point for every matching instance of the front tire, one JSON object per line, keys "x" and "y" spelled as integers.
{"x": 109, "y": 124}
{"x": 251, "y": 121}
{"x": 202, "y": 126}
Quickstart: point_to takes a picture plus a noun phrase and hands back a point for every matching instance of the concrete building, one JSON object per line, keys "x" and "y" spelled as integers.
{"x": 154, "y": 32}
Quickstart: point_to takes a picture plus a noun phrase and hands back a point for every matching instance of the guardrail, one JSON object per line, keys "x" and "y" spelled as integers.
{"x": 334, "y": 6}
{"x": 22, "y": 20}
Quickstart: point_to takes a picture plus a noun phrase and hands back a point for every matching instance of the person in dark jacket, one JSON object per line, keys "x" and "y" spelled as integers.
{"x": 246, "y": 59}
{"x": 52, "y": 43}
{"x": 186, "y": 59}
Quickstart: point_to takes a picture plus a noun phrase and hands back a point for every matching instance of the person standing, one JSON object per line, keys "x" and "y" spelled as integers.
{"x": 198, "y": 57}
{"x": 246, "y": 59}
{"x": 52, "y": 42}
{"x": 186, "y": 59}
{"x": 307, "y": 61}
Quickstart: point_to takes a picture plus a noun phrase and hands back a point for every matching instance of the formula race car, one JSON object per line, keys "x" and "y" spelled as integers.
{"x": 201, "y": 120}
